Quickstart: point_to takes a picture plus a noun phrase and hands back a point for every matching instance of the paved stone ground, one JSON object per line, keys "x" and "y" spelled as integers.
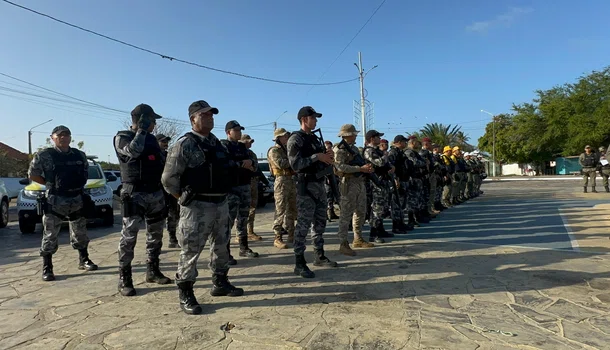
{"x": 420, "y": 291}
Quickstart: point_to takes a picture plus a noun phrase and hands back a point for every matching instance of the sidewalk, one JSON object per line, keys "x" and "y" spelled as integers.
{"x": 534, "y": 178}
{"x": 407, "y": 294}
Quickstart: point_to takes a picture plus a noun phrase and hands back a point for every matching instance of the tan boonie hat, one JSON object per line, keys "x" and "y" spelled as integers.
{"x": 246, "y": 138}
{"x": 348, "y": 130}
{"x": 279, "y": 133}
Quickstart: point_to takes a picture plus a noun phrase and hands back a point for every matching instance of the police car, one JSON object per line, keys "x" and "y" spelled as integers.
{"x": 96, "y": 187}
{"x": 265, "y": 195}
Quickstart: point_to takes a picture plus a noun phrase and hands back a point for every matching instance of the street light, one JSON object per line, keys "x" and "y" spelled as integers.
{"x": 278, "y": 118}
{"x": 493, "y": 151}
{"x": 30, "y": 135}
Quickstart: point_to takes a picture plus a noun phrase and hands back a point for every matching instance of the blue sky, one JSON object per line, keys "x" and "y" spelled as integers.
{"x": 438, "y": 61}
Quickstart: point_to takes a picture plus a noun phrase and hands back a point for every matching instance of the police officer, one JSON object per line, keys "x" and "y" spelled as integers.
{"x": 416, "y": 187}
{"x": 604, "y": 167}
{"x": 257, "y": 177}
{"x": 239, "y": 195}
{"x": 380, "y": 191}
{"x": 440, "y": 171}
{"x": 197, "y": 173}
{"x": 458, "y": 176}
{"x": 588, "y": 161}
{"x": 429, "y": 179}
{"x": 396, "y": 157}
{"x": 64, "y": 171}
{"x": 173, "y": 209}
{"x": 284, "y": 189}
{"x": 447, "y": 197}
{"x": 331, "y": 196}
{"x": 141, "y": 162}
{"x": 353, "y": 198}
{"x": 312, "y": 162}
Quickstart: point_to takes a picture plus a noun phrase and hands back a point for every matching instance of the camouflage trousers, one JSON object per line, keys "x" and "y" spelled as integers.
{"x": 173, "y": 212}
{"x": 369, "y": 199}
{"x": 425, "y": 190}
{"x": 433, "y": 180}
{"x": 469, "y": 192}
{"x": 253, "y": 203}
{"x": 447, "y": 195}
{"x": 381, "y": 199}
{"x": 70, "y": 208}
{"x": 588, "y": 173}
{"x": 150, "y": 209}
{"x": 395, "y": 203}
{"x": 199, "y": 222}
{"x": 463, "y": 181}
{"x": 285, "y": 193}
{"x": 311, "y": 215}
{"x": 455, "y": 185}
{"x": 353, "y": 206}
{"x": 239, "y": 209}
{"x": 477, "y": 183}
{"x": 605, "y": 173}
{"x": 415, "y": 195}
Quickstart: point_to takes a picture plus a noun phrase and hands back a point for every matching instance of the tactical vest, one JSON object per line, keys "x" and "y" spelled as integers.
{"x": 383, "y": 170}
{"x": 275, "y": 171}
{"x": 460, "y": 165}
{"x": 144, "y": 172}
{"x": 213, "y": 175}
{"x": 589, "y": 161}
{"x": 69, "y": 176}
{"x": 311, "y": 145}
{"x": 400, "y": 164}
{"x": 237, "y": 153}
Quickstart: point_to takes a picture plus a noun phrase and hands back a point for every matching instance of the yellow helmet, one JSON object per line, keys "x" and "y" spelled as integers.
{"x": 446, "y": 148}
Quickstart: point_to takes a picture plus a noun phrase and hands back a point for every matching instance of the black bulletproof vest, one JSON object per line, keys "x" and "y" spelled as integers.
{"x": 213, "y": 175}
{"x": 145, "y": 171}
{"x": 311, "y": 145}
{"x": 589, "y": 161}
{"x": 238, "y": 152}
{"x": 69, "y": 176}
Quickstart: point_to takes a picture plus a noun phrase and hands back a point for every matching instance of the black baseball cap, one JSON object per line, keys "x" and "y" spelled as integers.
{"x": 145, "y": 110}
{"x": 372, "y": 133}
{"x": 201, "y": 105}
{"x": 308, "y": 111}
{"x": 161, "y": 137}
{"x": 399, "y": 138}
{"x": 59, "y": 129}
{"x": 233, "y": 124}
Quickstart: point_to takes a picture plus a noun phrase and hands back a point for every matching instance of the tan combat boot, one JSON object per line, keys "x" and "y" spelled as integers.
{"x": 346, "y": 250}
{"x": 361, "y": 243}
{"x": 279, "y": 242}
{"x": 251, "y": 235}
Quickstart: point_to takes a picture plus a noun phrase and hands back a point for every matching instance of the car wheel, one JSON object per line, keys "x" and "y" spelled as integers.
{"x": 3, "y": 213}
{"x": 27, "y": 226}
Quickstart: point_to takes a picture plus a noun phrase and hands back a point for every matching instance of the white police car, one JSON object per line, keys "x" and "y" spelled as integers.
{"x": 96, "y": 187}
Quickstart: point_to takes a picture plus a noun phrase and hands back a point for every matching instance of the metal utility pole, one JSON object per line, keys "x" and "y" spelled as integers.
{"x": 493, "y": 147}
{"x": 274, "y": 126}
{"x": 30, "y": 135}
{"x": 362, "y": 106}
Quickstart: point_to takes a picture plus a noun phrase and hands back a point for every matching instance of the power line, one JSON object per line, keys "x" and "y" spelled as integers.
{"x": 349, "y": 43}
{"x": 175, "y": 58}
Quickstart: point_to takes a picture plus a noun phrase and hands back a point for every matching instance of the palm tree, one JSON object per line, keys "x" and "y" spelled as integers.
{"x": 441, "y": 134}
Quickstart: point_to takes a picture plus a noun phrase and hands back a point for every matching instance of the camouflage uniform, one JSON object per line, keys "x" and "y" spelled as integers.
{"x": 143, "y": 200}
{"x": 456, "y": 180}
{"x": 380, "y": 192}
{"x": 353, "y": 192}
{"x": 415, "y": 193}
{"x": 303, "y": 148}
{"x": 239, "y": 195}
{"x": 604, "y": 169}
{"x": 197, "y": 170}
{"x": 447, "y": 197}
{"x": 62, "y": 205}
{"x": 173, "y": 210}
{"x": 256, "y": 178}
{"x": 284, "y": 191}
{"x": 397, "y": 157}
{"x": 588, "y": 162}
{"x": 470, "y": 172}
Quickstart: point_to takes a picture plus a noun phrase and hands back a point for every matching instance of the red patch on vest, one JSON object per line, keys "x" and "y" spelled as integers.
{"x": 151, "y": 157}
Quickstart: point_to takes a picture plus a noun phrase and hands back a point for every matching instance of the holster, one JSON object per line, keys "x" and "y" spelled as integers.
{"x": 128, "y": 206}
{"x": 42, "y": 205}
{"x": 187, "y": 196}
{"x": 88, "y": 206}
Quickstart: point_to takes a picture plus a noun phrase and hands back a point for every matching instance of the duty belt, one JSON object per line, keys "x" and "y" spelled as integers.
{"x": 211, "y": 198}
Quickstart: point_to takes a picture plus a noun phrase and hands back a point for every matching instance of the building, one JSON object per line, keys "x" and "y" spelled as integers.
{"x": 13, "y": 163}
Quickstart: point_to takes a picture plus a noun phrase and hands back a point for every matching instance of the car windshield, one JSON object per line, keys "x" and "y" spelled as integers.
{"x": 95, "y": 173}
{"x": 263, "y": 166}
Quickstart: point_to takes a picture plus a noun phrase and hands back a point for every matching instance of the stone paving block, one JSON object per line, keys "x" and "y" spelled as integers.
{"x": 570, "y": 311}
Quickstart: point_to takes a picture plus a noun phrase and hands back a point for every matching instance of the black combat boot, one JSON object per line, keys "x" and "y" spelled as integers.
{"x": 300, "y": 267}
{"x": 585, "y": 189}
{"x": 331, "y": 213}
{"x": 607, "y": 188}
{"x": 421, "y": 217}
{"x": 373, "y": 236}
{"x": 593, "y": 189}
{"x": 153, "y": 274}
{"x": 84, "y": 263}
{"x": 173, "y": 241}
{"x": 321, "y": 260}
{"x": 397, "y": 227}
{"x": 244, "y": 250}
{"x": 47, "y": 268}
{"x": 412, "y": 220}
{"x": 406, "y": 227}
{"x": 382, "y": 233}
{"x": 188, "y": 302}
{"x": 222, "y": 287}
{"x": 125, "y": 282}
{"x": 232, "y": 260}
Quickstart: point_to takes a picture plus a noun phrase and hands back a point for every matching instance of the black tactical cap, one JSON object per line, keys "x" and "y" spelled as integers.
{"x": 201, "y": 105}
{"x": 372, "y": 133}
{"x": 308, "y": 111}
{"x": 61, "y": 128}
{"x": 161, "y": 137}
{"x": 233, "y": 124}
{"x": 145, "y": 110}
{"x": 400, "y": 138}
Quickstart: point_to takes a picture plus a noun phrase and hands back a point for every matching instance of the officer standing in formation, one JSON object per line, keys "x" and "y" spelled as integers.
{"x": 284, "y": 189}
{"x": 239, "y": 195}
{"x": 604, "y": 167}
{"x": 588, "y": 161}
{"x": 429, "y": 179}
{"x": 141, "y": 163}
{"x": 64, "y": 172}
{"x": 380, "y": 191}
{"x": 415, "y": 194}
{"x": 353, "y": 199}
{"x": 197, "y": 172}
{"x": 441, "y": 173}
{"x": 332, "y": 197}
{"x": 256, "y": 177}
{"x": 173, "y": 209}
{"x": 398, "y": 159}
{"x": 310, "y": 160}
